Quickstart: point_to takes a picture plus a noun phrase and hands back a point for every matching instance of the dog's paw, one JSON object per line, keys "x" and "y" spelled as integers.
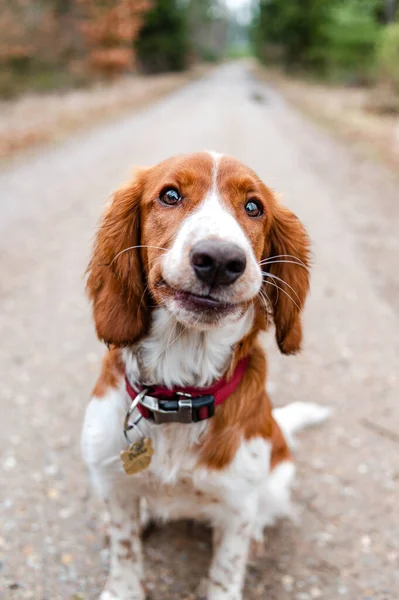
{"x": 108, "y": 596}
{"x": 123, "y": 593}
{"x": 202, "y": 590}
{"x": 256, "y": 551}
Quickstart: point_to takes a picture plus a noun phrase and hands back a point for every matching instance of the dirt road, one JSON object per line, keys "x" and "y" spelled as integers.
{"x": 347, "y": 543}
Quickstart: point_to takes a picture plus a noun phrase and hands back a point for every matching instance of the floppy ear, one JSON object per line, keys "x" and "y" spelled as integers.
{"x": 287, "y": 267}
{"x": 116, "y": 278}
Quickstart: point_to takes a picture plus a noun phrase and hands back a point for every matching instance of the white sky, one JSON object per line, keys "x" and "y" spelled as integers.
{"x": 237, "y": 3}
{"x": 242, "y": 7}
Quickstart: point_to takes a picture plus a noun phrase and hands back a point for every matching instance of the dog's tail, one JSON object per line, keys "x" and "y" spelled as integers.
{"x": 297, "y": 416}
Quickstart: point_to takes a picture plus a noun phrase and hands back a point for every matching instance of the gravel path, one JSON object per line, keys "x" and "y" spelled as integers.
{"x": 347, "y": 543}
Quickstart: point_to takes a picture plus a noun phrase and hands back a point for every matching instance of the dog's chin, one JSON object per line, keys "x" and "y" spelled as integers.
{"x": 203, "y": 312}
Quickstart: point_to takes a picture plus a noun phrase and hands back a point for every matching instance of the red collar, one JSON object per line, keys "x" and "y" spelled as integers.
{"x": 185, "y": 404}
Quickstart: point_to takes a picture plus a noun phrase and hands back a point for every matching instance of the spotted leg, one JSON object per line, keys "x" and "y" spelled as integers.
{"x": 125, "y": 580}
{"x": 227, "y": 572}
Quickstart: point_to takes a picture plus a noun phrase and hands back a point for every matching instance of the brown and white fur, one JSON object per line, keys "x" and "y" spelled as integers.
{"x": 166, "y": 326}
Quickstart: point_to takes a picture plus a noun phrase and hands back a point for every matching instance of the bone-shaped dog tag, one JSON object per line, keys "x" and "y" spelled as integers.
{"x": 138, "y": 456}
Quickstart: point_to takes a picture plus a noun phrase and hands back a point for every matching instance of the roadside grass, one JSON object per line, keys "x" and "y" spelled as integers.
{"x": 43, "y": 118}
{"x": 345, "y": 111}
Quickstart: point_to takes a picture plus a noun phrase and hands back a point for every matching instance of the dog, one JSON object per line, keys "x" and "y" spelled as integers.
{"x": 193, "y": 259}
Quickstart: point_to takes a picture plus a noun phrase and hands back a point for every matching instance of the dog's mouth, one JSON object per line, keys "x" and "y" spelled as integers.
{"x": 206, "y": 303}
{"x": 202, "y": 307}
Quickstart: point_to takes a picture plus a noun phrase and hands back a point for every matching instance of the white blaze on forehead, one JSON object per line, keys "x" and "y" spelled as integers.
{"x": 216, "y": 162}
{"x": 212, "y": 219}
{"x": 216, "y": 156}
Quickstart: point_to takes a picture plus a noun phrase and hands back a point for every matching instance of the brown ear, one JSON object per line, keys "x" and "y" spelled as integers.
{"x": 287, "y": 267}
{"x": 116, "y": 278}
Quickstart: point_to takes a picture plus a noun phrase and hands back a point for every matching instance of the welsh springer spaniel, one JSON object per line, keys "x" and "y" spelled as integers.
{"x": 193, "y": 259}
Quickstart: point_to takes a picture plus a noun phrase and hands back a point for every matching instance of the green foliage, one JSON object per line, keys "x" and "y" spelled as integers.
{"x": 351, "y": 37}
{"x": 162, "y": 44}
{"x": 388, "y": 56}
{"x": 208, "y": 55}
{"x": 290, "y": 32}
{"x": 331, "y": 37}
{"x": 36, "y": 78}
{"x": 236, "y": 51}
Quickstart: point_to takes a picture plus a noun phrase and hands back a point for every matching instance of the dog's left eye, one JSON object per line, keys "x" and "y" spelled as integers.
{"x": 253, "y": 208}
{"x": 170, "y": 196}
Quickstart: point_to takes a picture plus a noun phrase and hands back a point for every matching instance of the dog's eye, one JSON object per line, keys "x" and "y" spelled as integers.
{"x": 253, "y": 208}
{"x": 170, "y": 196}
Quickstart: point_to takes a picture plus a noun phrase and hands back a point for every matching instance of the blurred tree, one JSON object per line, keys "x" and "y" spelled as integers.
{"x": 110, "y": 28}
{"x": 28, "y": 42}
{"x": 208, "y": 23}
{"x": 390, "y": 10}
{"x": 25, "y": 27}
{"x": 338, "y": 37}
{"x": 352, "y": 32}
{"x": 163, "y": 42}
{"x": 46, "y": 42}
{"x": 290, "y": 32}
{"x": 388, "y": 57}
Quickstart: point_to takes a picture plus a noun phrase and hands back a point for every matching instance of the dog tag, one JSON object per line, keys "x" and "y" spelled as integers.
{"x": 138, "y": 456}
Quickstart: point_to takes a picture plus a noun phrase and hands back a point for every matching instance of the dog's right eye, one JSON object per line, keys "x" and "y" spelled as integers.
{"x": 170, "y": 196}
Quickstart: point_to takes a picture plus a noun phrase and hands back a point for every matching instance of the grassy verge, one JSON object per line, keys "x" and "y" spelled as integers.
{"x": 37, "y": 119}
{"x": 345, "y": 111}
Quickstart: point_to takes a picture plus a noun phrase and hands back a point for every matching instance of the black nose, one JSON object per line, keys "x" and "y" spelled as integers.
{"x": 217, "y": 263}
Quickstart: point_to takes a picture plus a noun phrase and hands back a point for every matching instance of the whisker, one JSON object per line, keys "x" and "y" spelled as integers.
{"x": 284, "y": 292}
{"x": 148, "y": 285}
{"x": 176, "y": 338}
{"x": 277, "y": 298}
{"x": 268, "y": 300}
{"x": 282, "y": 281}
{"x": 171, "y": 331}
{"x": 133, "y": 248}
{"x": 283, "y": 256}
{"x": 262, "y": 298}
{"x": 299, "y": 264}
{"x": 265, "y": 300}
{"x": 143, "y": 294}
{"x": 263, "y": 295}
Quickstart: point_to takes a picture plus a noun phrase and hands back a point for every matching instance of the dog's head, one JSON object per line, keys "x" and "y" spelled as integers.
{"x": 203, "y": 237}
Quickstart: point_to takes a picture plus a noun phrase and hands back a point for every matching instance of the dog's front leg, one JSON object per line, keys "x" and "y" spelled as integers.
{"x": 125, "y": 580}
{"x": 227, "y": 572}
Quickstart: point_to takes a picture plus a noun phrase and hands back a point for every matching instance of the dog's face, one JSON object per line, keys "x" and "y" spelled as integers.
{"x": 209, "y": 215}
{"x": 203, "y": 237}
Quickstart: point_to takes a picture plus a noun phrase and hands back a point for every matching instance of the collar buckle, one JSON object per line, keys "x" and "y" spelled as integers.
{"x": 181, "y": 409}
{"x": 168, "y": 411}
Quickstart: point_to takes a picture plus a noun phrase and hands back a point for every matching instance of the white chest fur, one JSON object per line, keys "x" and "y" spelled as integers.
{"x": 173, "y": 484}
{"x": 174, "y": 355}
